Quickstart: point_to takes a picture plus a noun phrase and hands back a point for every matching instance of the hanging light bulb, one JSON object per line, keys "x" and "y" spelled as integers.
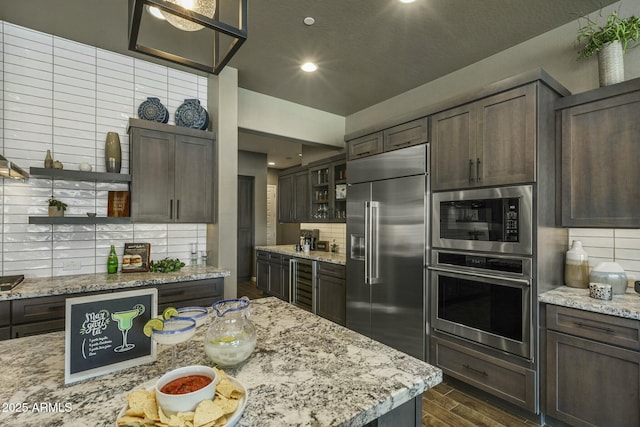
{"x": 203, "y": 7}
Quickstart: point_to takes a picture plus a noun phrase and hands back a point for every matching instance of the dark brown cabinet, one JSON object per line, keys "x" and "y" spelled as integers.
{"x": 600, "y": 135}
{"x": 272, "y": 274}
{"x": 364, "y": 146}
{"x": 403, "y": 135}
{"x": 593, "y": 368}
{"x": 172, "y": 173}
{"x": 5, "y": 320}
{"x": 328, "y": 192}
{"x": 491, "y": 141}
{"x": 293, "y": 197}
{"x": 33, "y": 316}
{"x": 331, "y": 292}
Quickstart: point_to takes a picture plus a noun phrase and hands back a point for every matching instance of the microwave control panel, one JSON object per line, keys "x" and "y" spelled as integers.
{"x": 511, "y": 220}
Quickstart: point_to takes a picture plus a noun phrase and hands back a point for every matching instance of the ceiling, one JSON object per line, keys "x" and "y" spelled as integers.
{"x": 367, "y": 50}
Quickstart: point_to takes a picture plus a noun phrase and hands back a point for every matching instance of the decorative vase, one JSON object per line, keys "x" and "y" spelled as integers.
{"x": 611, "y": 64}
{"x": 576, "y": 267}
{"x": 112, "y": 152}
{"x": 56, "y": 211}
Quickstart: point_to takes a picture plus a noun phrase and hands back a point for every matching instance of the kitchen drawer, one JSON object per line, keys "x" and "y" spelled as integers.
{"x": 365, "y": 146}
{"x": 38, "y": 309}
{"x": 262, "y": 255}
{"x": 37, "y": 328}
{"x": 330, "y": 269}
{"x": 5, "y": 313}
{"x": 275, "y": 257}
{"x": 405, "y": 135}
{"x": 183, "y": 294}
{"x": 510, "y": 382}
{"x": 599, "y": 327}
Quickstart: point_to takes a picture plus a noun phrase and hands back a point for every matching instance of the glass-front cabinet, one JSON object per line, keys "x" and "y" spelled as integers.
{"x": 328, "y": 182}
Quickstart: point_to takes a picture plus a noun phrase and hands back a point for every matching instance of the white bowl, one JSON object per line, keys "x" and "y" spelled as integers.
{"x": 173, "y": 403}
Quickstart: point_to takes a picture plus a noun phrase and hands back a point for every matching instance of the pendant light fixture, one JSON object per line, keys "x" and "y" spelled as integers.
{"x": 193, "y": 33}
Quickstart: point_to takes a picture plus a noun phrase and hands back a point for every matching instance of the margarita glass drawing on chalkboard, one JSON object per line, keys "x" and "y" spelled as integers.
{"x": 125, "y": 322}
{"x": 174, "y": 330}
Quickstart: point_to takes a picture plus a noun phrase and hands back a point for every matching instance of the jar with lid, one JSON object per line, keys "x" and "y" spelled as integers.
{"x": 576, "y": 267}
{"x": 610, "y": 273}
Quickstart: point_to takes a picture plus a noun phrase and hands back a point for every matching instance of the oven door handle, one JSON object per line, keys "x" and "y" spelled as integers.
{"x": 525, "y": 282}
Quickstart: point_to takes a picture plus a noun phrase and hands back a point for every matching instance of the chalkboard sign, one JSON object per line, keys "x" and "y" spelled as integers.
{"x": 103, "y": 333}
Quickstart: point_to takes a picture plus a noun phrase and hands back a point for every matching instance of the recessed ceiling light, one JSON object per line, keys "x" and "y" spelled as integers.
{"x": 155, "y": 12}
{"x": 309, "y": 67}
{"x": 271, "y": 163}
{"x": 309, "y": 20}
{"x": 407, "y": 1}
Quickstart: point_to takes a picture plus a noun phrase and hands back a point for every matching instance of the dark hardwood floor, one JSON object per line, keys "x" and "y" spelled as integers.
{"x": 444, "y": 405}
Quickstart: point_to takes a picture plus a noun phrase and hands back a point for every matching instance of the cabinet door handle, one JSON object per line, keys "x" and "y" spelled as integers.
{"x": 470, "y": 171}
{"x": 477, "y": 371}
{"x": 478, "y": 169}
{"x": 171, "y": 209}
{"x": 599, "y": 328}
{"x": 178, "y": 209}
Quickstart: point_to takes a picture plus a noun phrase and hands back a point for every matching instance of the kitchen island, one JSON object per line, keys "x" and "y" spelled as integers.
{"x": 305, "y": 371}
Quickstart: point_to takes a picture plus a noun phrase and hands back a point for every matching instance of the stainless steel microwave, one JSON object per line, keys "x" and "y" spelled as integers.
{"x": 487, "y": 219}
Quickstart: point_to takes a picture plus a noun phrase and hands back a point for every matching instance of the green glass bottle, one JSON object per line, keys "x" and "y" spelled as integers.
{"x": 112, "y": 261}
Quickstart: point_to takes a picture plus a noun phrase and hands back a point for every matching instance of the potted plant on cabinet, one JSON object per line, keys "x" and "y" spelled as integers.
{"x": 56, "y": 207}
{"x": 609, "y": 41}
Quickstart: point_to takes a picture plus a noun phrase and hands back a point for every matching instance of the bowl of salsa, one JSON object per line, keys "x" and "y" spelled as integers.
{"x": 182, "y": 389}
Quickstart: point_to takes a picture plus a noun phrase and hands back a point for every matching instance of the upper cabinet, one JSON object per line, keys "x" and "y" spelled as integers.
{"x": 600, "y": 134}
{"x": 315, "y": 193}
{"x": 293, "y": 196}
{"x": 491, "y": 141}
{"x": 400, "y": 136}
{"x": 172, "y": 173}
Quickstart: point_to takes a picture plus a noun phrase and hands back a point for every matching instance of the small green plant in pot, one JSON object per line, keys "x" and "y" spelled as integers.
{"x": 609, "y": 41}
{"x": 56, "y": 207}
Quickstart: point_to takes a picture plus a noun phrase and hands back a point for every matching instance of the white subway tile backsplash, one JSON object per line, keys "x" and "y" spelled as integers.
{"x": 63, "y": 96}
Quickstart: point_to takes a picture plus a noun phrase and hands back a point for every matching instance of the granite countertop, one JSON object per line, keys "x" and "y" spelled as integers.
{"x": 627, "y": 305}
{"x": 61, "y": 285}
{"x": 305, "y": 371}
{"x": 335, "y": 258}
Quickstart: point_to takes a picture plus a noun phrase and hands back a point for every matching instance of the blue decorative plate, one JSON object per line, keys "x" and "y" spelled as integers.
{"x": 153, "y": 110}
{"x": 192, "y": 115}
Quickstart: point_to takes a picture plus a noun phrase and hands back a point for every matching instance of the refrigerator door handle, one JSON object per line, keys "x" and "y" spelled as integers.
{"x": 367, "y": 240}
{"x": 373, "y": 249}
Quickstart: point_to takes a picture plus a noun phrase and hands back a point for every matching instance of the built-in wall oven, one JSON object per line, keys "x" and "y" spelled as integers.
{"x": 488, "y": 220}
{"x": 483, "y": 298}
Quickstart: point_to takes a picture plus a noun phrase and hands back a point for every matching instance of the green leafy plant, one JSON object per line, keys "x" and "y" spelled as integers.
{"x": 166, "y": 265}
{"x": 58, "y": 204}
{"x": 592, "y": 37}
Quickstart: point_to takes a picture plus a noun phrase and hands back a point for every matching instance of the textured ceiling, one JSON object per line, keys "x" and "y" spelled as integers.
{"x": 367, "y": 50}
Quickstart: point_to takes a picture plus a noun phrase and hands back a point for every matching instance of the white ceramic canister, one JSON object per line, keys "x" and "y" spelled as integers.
{"x": 610, "y": 273}
{"x": 576, "y": 267}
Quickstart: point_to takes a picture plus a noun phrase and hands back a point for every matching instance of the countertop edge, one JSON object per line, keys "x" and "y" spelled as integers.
{"x": 625, "y": 306}
{"x": 330, "y": 257}
{"x": 73, "y": 284}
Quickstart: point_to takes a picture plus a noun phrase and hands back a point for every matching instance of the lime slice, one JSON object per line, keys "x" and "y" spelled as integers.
{"x": 152, "y": 324}
{"x": 228, "y": 338}
{"x": 169, "y": 312}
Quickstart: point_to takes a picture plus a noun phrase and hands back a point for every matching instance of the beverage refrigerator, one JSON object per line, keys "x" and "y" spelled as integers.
{"x": 387, "y": 245}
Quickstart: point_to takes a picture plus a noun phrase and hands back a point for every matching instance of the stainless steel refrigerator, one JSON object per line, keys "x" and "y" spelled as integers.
{"x": 387, "y": 213}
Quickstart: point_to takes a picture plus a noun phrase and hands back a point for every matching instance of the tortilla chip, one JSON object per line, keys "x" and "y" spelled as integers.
{"x": 224, "y": 387}
{"x": 137, "y": 400}
{"x": 206, "y": 412}
{"x": 228, "y": 406}
{"x": 129, "y": 421}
